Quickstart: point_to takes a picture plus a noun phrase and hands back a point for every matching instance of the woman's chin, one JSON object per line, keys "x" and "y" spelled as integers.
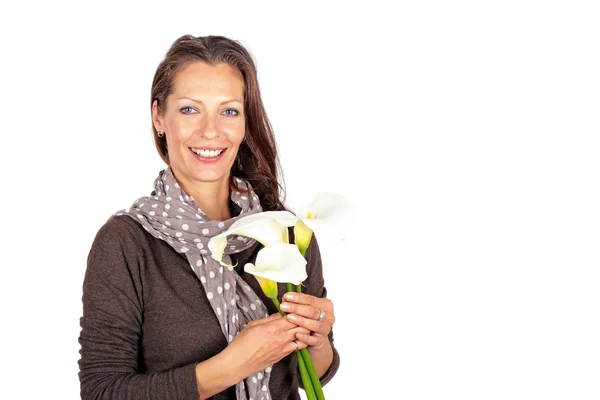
{"x": 210, "y": 176}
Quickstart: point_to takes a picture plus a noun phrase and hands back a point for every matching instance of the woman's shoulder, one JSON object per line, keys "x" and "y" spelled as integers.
{"x": 119, "y": 230}
{"x": 114, "y": 263}
{"x": 122, "y": 224}
{"x": 118, "y": 249}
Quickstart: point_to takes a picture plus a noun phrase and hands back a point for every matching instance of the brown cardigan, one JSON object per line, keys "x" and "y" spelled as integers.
{"x": 147, "y": 322}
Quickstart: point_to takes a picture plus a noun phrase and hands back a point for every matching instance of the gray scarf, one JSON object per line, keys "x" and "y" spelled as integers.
{"x": 170, "y": 214}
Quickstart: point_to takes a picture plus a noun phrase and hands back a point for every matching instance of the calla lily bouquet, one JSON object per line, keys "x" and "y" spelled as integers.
{"x": 280, "y": 261}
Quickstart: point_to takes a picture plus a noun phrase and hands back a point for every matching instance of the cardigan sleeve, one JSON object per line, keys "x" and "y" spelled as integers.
{"x": 111, "y": 325}
{"x": 315, "y": 286}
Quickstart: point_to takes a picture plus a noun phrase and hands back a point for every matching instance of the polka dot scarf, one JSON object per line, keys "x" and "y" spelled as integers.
{"x": 170, "y": 214}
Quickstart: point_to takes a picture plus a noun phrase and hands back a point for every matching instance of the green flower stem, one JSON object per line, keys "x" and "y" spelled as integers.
{"x": 276, "y": 302}
{"x": 306, "y": 381}
{"x": 289, "y": 287}
{"x": 316, "y": 383}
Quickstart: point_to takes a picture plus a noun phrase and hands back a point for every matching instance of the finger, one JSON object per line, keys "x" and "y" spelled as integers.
{"x": 290, "y": 335}
{"x": 303, "y": 310}
{"x": 322, "y": 303}
{"x": 322, "y": 327}
{"x": 301, "y": 329}
{"x": 296, "y": 330}
{"x": 283, "y": 324}
{"x": 295, "y": 345}
{"x": 274, "y": 324}
{"x": 309, "y": 340}
{"x": 262, "y": 321}
{"x": 300, "y": 298}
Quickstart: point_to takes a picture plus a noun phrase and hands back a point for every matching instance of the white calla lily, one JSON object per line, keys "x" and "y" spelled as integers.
{"x": 279, "y": 262}
{"x": 282, "y": 262}
{"x": 327, "y": 214}
{"x": 265, "y": 227}
{"x": 268, "y": 287}
{"x": 285, "y": 218}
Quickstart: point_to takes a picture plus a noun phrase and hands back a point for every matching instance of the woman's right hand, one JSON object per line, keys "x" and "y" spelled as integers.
{"x": 264, "y": 342}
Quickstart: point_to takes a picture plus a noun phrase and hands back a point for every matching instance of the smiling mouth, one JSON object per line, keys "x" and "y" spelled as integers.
{"x": 204, "y": 153}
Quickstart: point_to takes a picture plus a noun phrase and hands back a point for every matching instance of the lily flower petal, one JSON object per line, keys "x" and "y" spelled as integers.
{"x": 266, "y": 227}
{"x": 217, "y": 245}
{"x": 328, "y": 214}
{"x": 279, "y": 262}
{"x": 302, "y": 236}
{"x": 265, "y": 231}
{"x": 268, "y": 286}
{"x": 285, "y": 218}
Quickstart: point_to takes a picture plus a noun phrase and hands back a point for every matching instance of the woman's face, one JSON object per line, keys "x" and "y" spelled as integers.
{"x": 204, "y": 122}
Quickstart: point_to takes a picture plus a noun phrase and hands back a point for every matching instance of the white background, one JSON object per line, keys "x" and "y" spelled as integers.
{"x": 465, "y": 133}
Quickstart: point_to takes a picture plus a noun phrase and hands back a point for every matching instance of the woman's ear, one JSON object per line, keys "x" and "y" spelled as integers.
{"x": 157, "y": 119}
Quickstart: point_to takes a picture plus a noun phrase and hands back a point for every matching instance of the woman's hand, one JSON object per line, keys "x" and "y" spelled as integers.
{"x": 310, "y": 312}
{"x": 264, "y": 342}
{"x": 260, "y": 344}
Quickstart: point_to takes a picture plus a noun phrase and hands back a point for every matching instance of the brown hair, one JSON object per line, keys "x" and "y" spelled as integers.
{"x": 257, "y": 160}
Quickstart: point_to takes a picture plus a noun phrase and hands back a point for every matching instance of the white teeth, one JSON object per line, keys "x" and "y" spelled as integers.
{"x": 207, "y": 153}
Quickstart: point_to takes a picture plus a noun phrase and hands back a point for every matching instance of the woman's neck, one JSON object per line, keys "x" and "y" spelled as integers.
{"x": 216, "y": 206}
{"x": 211, "y": 197}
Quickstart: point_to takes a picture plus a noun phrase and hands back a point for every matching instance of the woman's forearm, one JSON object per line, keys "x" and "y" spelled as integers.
{"x": 322, "y": 357}
{"x": 217, "y": 374}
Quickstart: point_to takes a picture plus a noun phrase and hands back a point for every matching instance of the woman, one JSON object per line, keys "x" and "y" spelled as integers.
{"x": 161, "y": 318}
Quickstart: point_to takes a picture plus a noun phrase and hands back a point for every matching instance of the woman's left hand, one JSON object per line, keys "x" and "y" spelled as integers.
{"x": 310, "y": 312}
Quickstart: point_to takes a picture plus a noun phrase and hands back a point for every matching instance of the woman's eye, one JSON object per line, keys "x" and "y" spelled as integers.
{"x": 235, "y": 112}
{"x": 186, "y": 110}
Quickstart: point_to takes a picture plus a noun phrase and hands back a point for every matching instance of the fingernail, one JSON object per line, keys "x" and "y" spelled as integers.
{"x": 292, "y": 317}
{"x": 289, "y": 296}
{"x": 285, "y": 306}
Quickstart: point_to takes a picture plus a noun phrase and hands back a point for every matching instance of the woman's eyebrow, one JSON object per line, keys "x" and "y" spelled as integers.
{"x": 200, "y": 101}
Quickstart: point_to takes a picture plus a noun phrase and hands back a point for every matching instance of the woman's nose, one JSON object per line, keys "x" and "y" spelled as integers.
{"x": 210, "y": 130}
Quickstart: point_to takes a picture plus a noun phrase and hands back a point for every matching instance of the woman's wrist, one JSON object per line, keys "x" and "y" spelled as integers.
{"x": 321, "y": 356}
{"x": 217, "y": 374}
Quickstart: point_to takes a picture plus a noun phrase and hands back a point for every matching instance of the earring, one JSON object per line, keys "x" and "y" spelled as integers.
{"x": 160, "y": 134}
